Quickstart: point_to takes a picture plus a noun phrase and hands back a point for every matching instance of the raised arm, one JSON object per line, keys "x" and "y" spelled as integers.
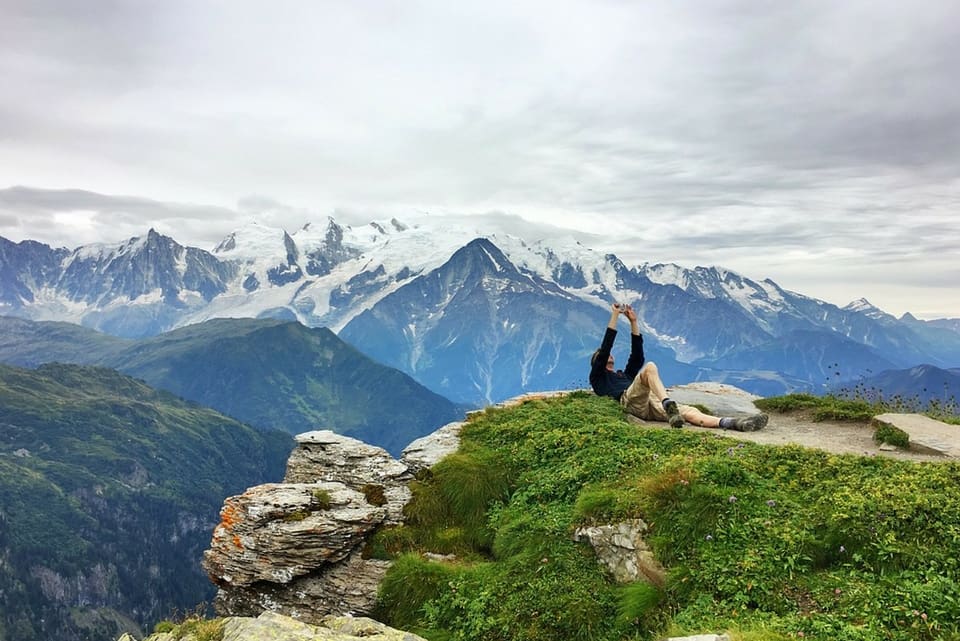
{"x": 599, "y": 361}
{"x": 635, "y": 362}
{"x": 632, "y": 317}
{"x": 614, "y": 316}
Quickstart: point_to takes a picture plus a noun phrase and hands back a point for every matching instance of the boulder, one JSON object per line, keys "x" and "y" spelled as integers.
{"x": 622, "y": 549}
{"x": 276, "y": 532}
{"x": 270, "y": 625}
{"x": 426, "y": 451}
{"x": 927, "y": 435}
{"x": 324, "y": 455}
{"x": 348, "y": 587}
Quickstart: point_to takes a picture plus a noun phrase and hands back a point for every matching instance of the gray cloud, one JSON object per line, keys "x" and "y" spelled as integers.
{"x": 71, "y": 217}
{"x": 806, "y": 140}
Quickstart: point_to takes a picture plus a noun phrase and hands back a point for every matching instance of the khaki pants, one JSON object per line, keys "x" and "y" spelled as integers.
{"x": 638, "y": 401}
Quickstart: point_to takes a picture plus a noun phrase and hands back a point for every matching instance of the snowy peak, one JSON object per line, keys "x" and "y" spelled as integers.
{"x": 865, "y": 307}
{"x": 251, "y": 242}
{"x": 324, "y": 248}
{"x": 152, "y": 270}
{"x": 667, "y": 274}
{"x": 486, "y": 256}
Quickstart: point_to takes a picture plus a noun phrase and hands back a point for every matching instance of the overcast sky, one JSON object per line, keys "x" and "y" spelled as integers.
{"x": 816, "y": 143}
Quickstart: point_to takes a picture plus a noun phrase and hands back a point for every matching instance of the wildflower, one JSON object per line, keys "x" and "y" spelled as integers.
{"x": 708, "y": 537}
{"x": 916, "y": 613}
{"x": 732, "y": 499}
{"x": 771, "y": 503}
{"x": 842, "y": 549}
{"x": 656, "y": 456}
{"x": 924, "y": 616}
{"x": 684, "y": 482}
{"x": 837, "y": 591}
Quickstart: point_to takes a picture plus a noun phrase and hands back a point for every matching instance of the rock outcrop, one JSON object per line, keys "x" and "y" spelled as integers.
{"x": 271, "y": 625}
{"x": 621, "y": 548}
{"x": 324, "y": 455}
{"x": 424, "y": 452}
{"x": 296, "y": 547}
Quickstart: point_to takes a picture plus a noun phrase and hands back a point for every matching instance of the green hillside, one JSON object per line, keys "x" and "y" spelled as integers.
{"x": 283, "y": 375}
{"x": 109, "y": 492}
{"x": 767, "y": 543}
{"x": 269, "y": 373}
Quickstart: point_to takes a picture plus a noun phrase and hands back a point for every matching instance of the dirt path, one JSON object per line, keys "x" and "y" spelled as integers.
{"x": 832, "y": 436}
{"x": 835, "y": 437}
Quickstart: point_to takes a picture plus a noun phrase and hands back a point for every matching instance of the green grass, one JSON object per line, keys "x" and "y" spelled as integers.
{"x": 765, "y": 542}
{"x": 858, "y": 405}
{"x": 823, "y": 408}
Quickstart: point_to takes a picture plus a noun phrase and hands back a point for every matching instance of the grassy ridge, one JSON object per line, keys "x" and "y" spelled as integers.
{"x": 767, "y": 542}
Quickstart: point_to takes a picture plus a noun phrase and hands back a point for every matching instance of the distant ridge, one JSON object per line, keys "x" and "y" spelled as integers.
{"x": 109, "y": 490}
{"x": 270, "y": 373}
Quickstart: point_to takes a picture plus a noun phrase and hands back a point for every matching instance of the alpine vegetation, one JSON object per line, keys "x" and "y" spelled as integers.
{"x": 763, "y": 542}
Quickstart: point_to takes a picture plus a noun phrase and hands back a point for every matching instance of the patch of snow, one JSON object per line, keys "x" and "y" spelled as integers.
{"x": 668, "y": 274}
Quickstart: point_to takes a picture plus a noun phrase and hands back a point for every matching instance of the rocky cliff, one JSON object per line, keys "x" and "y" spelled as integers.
{"x": 296, "y": 548}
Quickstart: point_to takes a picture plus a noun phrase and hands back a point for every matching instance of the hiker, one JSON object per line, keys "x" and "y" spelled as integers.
{"x": 639, "y": 389}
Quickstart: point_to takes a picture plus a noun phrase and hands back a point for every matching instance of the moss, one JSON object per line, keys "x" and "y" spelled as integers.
{"x": 374, "y": 494}
{"x": 321, "y": 498}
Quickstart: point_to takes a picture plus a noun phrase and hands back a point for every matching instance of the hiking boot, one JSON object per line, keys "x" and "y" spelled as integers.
{"x": 673, "y": 414}
{"x": 751, "y": 423}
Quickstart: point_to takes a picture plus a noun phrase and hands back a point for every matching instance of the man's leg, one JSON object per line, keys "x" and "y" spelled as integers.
{"x": 695, "y": 417}
{"x": 743, "y": 424}
{"x": 677, "y": 414}
{"x": 650, "y": 376}
{"x": 669, "y": 411}
{"x": 636, "y": 399}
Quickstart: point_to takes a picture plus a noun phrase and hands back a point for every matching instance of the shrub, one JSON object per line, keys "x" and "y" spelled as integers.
{"x": 887, "y": 433}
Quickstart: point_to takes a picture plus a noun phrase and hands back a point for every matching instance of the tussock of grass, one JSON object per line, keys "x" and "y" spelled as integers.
{"x": 607, "y": 504}
{"x": 763, "y": 541}
{"x": 886, "y": 433}
{"x": 638, "y": 603}
{"x": 822, "y": 408}
{"x": 411, "y": 583}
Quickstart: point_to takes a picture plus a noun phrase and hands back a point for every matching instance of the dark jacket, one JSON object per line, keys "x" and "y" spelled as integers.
{"x": 613, "y": 384}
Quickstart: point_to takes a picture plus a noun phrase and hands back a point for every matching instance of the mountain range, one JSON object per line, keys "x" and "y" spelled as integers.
{"x": 476, "y": 318}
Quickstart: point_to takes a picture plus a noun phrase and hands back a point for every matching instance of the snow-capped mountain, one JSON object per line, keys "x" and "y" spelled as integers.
{"x": 477, "y": 317}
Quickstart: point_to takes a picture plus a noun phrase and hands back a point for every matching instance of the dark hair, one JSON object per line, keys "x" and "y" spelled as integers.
{"x": 593, "y": 359}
